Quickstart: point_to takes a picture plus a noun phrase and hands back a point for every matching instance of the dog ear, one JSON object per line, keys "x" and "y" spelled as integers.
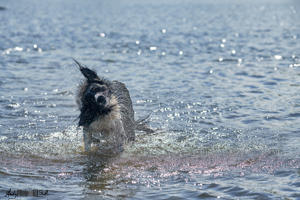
{"x": 91, "y": 75}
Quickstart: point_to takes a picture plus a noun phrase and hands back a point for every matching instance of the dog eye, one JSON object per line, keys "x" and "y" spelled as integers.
{"x": 99, "y": 89}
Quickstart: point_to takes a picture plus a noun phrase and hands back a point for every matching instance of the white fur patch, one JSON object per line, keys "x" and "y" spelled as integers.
{"x": 106, "y": 124}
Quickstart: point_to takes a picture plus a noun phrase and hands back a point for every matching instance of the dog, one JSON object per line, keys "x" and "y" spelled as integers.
{"x": 106, "y": 110}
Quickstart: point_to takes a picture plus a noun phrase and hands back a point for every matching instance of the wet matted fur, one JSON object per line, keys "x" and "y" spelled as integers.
{"x": 106, "y": 110}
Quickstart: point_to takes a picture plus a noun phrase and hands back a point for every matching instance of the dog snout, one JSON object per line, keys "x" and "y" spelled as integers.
{"x": 101, "y": 100}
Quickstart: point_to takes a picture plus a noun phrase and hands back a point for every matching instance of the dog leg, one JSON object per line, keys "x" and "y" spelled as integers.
{"x": 87, "y": 139}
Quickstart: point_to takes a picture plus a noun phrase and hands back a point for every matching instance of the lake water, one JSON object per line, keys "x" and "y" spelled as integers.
{"x": 221, "y": 81}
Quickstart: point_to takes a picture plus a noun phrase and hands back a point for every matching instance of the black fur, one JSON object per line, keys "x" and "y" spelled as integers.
{"x": 106, "y": 108}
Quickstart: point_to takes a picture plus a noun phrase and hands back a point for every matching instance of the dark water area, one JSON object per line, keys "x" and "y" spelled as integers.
{"x": 221, "y": 80}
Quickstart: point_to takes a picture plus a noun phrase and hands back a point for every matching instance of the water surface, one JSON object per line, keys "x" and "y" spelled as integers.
{"x": 221, "y": 81}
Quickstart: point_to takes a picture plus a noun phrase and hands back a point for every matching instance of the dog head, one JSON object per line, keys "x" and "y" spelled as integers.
{"x": 93, "y": 97}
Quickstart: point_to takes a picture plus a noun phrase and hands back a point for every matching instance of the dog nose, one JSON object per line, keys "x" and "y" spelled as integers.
{"x": 101, "y": 100}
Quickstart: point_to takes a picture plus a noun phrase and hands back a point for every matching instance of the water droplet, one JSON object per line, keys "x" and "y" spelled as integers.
{"x": 14, "y": 105}
{"x": 137, "y": 42}
{"x": 18, "y": 49}
{"x": 233, "y": 52}
{"x": 222, "y": 45}
{"x": 180, "y": 52}
{"x": 102, "y": 34}
{"x": 278, "y": 57}
{"x": 220, "y": 59}
{"x": 164, "y": 31}
{"x": 152, "y": 48}
{"x": 106, "y": 169}
{"x": 223, "y": 40}
{"x": 163, "y": 53}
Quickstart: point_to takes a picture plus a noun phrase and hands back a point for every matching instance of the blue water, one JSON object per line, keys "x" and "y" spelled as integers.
{"x": 221, "y": 80}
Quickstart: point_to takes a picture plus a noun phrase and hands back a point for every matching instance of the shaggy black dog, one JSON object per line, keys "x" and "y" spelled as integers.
{"x": 106, "y": 110}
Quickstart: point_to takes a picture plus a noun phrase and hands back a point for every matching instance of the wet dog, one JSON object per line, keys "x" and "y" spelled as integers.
{"x": 106, "y": 110}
